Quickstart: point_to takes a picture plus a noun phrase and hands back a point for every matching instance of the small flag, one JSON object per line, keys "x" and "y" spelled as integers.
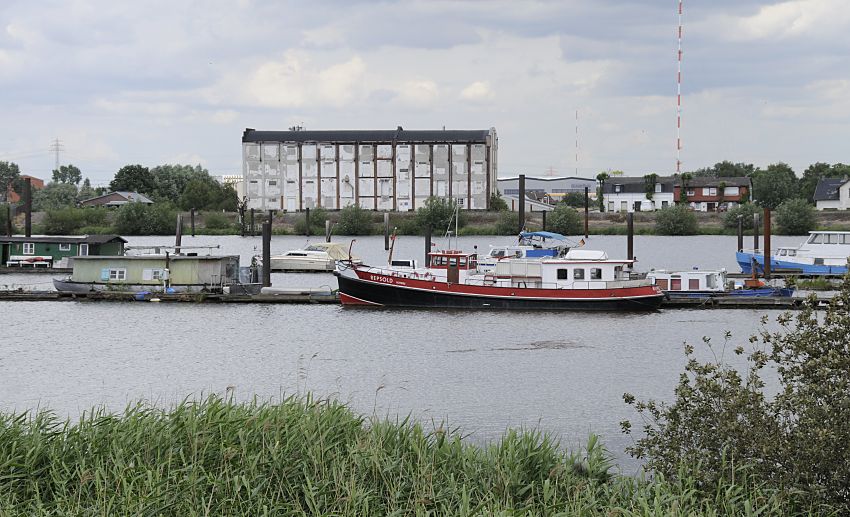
{"x": 581, "y": 242}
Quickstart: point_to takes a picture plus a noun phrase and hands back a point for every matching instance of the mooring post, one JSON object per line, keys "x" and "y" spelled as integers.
{"x": 28, "y": 207}
{"x": 386, "y": 231}
{"x": 328, "y": 230}
{"x": 428, "y": 231}
{"x": 178, "y": 234}
{"x": 252, "y": 223}
{"x": 521, "y": 203}
{"x": 267, "y": 254}
{"x": 8, "y": 219}
{"x": 630, "y": 238}
{"x": 755, "y": 233}
{"x": 740, "y": 233}
{"x": 544, "y": 220}
{"x": 767, "y": 243}
{"x": 586, "y": 210}
{"x": 307, "y": 221}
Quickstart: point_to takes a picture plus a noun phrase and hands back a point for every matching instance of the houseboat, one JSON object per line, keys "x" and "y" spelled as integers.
{"x": 581, "y": 280}
{"x": 823, "y": 253}
{"x": 699, "y": 283}
{"x": 55, "y": 251}
{"x": 151, "y": 272}
{"x": 531, "y": 245}
{"x": 318, "y": 257}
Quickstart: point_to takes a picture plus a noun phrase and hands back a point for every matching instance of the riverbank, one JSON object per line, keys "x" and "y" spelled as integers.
{"x": 307, "y": 456}
{"x": 477, "y": 223}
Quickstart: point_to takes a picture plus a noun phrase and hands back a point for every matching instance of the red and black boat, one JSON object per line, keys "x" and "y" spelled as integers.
{"x": 582, "y": 280}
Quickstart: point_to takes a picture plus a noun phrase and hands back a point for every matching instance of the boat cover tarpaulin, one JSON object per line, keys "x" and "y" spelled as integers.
{"x": 545, "y": 235}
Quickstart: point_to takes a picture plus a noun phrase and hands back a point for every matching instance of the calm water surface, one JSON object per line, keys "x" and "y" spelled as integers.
{"x": 481, "y": 371}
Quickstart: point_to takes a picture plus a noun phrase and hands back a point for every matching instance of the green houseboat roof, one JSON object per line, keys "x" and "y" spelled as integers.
{"x": 55, "y": 239}
{"x": 156, "y": 257}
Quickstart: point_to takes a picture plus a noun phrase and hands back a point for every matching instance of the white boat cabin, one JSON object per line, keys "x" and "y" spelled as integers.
{"x": 689, "y": 281}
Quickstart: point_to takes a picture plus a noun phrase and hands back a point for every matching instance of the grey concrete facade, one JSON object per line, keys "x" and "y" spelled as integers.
{"x": 377, "y": 170}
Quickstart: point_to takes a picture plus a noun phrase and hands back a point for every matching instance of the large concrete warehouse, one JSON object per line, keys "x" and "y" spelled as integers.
{"x": 379, "y": 170}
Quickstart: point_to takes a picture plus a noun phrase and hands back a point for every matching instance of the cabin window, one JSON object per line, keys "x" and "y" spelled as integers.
{"x": 438, "y": 261}
{"x": 595, "y": 273}
{"x": 833, "y": 238}
{"x": 563, "y": 274}
{"x": 462, "y": 261}
{"x": 453, "y": 261}
{"x": 497, "y": 253}
{"x": 792, "y": 253}
{"x": 662, "y": 283}
{"x": 118, "y": 274}
{"x": 473, "y": 264}
{"x": 153, "y": 274}
{"x": 782, "y": 253}
{"x": 29, "y": 248}
{"x": 578, "y": 274}
{"x": 693, "y": 284}
{"x": 64, "y": 247}
{"x": 675, "y": 284}
{"x": 816, "y": 239}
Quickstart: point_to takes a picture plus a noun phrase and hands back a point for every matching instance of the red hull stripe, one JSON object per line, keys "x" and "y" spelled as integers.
{"x": 347, "y": 299}
{"x": 507, "y": 292}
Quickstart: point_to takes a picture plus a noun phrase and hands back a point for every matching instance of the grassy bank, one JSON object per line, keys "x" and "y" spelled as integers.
{"x": 308, "y": 457}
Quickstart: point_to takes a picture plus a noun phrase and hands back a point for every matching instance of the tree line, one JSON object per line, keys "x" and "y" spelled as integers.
{"x": 183, "y": 186}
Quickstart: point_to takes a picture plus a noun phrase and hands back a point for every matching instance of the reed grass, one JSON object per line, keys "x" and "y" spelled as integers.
{"x": 315, "y": 457}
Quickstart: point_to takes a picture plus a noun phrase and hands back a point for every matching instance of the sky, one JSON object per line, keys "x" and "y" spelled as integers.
{"x": 176, "y": 81}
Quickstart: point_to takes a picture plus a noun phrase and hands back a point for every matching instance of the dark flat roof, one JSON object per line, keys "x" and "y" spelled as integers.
{"x": 369, "y": 136}
{"x": 82, "y": 239}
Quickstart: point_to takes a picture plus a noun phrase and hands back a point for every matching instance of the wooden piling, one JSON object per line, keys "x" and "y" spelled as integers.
{"x": 252, "y": 232}
{"x": 740, "y": 233}
{"x": 178, "y": 234}
{"x": 767, "y": 243}
{"x": 428, "y": 231}
{"x": 544, "y": 220}
{"x": 328, "y": 230}
{"x": 386, "y": 231}
{"x": 586, "y": 210}
{"x": 28, "y": 207}
{"x": 267, "y": 254}
{"x": 307, "y": 220}
{"x": 755, "y": 233}
{"x": 630, "y": 237}
{"x": 8, "y": 220}
{"x": 521, "y": 203}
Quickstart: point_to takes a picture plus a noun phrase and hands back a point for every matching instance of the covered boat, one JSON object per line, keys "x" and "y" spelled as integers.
{"x": 581, "y": 280}
{"x": 823, "y": 253}
{"x": 533, "y": 245}
{"x": 321, "y": 256}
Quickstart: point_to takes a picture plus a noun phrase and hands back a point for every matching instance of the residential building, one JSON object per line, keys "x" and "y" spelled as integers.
{"x": 377, "y": 170}
{"x": 832, "y": 194}
{"x": 707, "y": 194}
{"x": 37, "y": 184}
{"x": 114, "y": 199}
{"x": 630, "y": 194}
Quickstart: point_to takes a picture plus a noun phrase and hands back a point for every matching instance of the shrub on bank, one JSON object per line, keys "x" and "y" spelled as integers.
{"x": 675, "y": 220}
{"x": 439, "y": 213}
{"x": 318, "y": 216}
{"x": 216, "y": 221}
{"x": 795, "y": 217}
{"x": 564, "y": 220}
{"x": 746, "y": 211}
{"x": 354, "y": 220}
{"x": 508, "y": 223}
{"x": 68, "y": 221}
{"x": 142, "y": 219}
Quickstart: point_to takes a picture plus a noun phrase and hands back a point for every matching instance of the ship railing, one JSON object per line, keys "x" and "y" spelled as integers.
{"x": 521, "y": 282}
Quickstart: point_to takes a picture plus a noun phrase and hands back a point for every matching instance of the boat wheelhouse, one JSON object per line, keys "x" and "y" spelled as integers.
{"x": 581, "y": 280}
{"x": 823, "y": 253}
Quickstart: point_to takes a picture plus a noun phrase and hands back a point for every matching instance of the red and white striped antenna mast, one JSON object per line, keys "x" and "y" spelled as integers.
{"x": 679, "y": 97}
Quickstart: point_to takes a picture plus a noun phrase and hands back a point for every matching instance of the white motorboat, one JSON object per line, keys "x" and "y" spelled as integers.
{"x": 320, "y": 256}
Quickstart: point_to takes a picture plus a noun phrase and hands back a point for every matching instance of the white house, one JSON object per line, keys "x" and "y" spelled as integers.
{"x": 832, "y": 194}
{"x": 630, "y": 194}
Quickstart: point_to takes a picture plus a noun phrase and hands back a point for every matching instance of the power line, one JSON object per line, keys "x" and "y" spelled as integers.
{"x": 55, "y": 147}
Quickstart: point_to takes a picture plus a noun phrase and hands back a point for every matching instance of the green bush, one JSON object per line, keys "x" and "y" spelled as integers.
{"x": 675, "y": 220}
{"x": 574, "y": 199}
{"x": 746, "y": 210}
{"x": 354, "y": 220}
{"x": 497, "y": 204}
{"x": 142, "y": 219}
{"x": 317, "y": 222}
{"x": 67, "y": 221}
{"x": 508, "y": 223}
{"x": 792, "y": 435}
{"x": 216, "y": 221}
{"x": 795, "y": 217}
{"x": 564, "y": 220}
{"x": 439, "y": 213}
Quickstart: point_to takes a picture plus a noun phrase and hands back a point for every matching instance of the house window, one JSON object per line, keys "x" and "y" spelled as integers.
{"x": 691, "y": 193}
{"x": 64, "y": 247}
{"x": 664, "y": 204}
{"x": 578, "y": 274}
{"x": 658, "y": 187}
{"x": 595, "y": 273}
{"x": 624, "y": 206}
{"x": 617, "y": 188}
{"x": 29, "y": 248}
{"x": 562, "y": 274}
{"x": 610, "y": 206}
{"x": 118, "y": 274}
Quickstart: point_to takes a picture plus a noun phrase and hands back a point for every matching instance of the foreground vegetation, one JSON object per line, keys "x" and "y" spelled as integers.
{"x": 304, "y": 456}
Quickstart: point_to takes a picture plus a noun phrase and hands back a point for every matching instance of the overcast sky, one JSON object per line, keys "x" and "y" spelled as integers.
{"x": 175, "y": 81}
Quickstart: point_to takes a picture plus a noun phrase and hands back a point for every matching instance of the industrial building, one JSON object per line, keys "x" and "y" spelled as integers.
{"x": 377, "y": 170}
{"x": 548, "y": 188}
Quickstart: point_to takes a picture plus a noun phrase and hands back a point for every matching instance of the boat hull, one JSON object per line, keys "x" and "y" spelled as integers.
{"x": 745, "y": 261}
{"x": 305, "y": 265}
{"x": 358, "y": 291}
{"x": 67, "y": 286}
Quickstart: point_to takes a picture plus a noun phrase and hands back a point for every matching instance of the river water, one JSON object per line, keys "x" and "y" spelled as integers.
{"x": 480, "y": 371}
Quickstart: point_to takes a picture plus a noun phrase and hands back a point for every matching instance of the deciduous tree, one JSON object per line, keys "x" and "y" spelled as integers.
{"x": 133, "y": 178}
{"x": 9, "y": 172}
